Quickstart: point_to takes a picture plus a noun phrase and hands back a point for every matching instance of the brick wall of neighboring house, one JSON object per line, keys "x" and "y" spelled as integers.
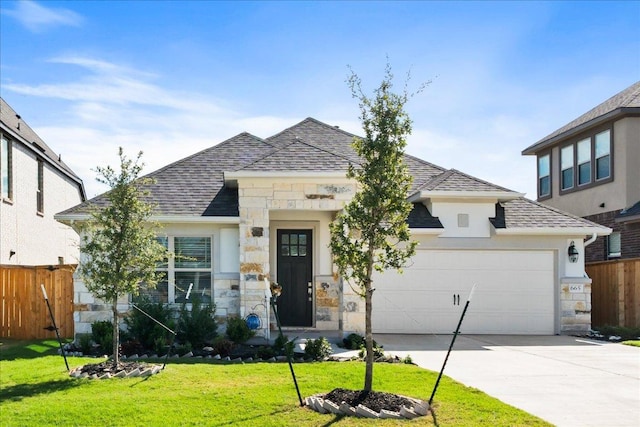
{"x": 629, "y": 237}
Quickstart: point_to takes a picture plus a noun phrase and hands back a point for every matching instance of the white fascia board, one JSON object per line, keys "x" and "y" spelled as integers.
{"x": 181, "y": 219}
{"x": 232, "y": 176}
{"x": 196, "y": 219}
{"x": 553, "y": 231}
{"x": 502, "y": 196}
{"x": 427, "y": 231}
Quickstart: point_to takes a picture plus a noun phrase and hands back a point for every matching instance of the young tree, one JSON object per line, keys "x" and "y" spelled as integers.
{"x": 119, "y": 241}
{"x": 371, "y": 233}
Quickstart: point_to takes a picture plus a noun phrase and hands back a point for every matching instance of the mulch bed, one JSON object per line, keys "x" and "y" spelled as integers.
{"x": 109, "y": 367}
{"x": 373, "y": 400}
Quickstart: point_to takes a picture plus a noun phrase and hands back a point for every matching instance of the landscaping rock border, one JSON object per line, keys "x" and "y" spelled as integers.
{"x": 318, "y": 403}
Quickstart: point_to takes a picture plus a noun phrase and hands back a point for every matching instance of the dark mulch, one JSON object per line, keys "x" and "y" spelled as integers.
{"x": 373, "y": 400}
{"x": 109, "y": 367}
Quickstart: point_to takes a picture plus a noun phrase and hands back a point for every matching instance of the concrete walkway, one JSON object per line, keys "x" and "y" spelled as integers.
{"x": 565, "y": 380}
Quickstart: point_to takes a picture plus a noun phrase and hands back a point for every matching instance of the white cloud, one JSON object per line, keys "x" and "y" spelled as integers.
{"x": 37, "y": 18}
{"x": 116, "y": 106}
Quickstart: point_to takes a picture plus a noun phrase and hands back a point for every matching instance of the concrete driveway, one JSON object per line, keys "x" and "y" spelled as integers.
{"x": 565, "y": 380}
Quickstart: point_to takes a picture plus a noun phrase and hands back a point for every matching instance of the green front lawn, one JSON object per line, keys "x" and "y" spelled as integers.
{"x": 35, "y": 390}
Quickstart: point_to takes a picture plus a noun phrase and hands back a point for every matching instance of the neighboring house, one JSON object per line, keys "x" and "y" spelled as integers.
{"x": 252, "y": 208}
{"x": 591, "y": 168}
{"x": 34, "y": 185}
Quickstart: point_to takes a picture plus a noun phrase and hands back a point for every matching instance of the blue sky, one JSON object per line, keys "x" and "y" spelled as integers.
{"x": 172, "y": 78}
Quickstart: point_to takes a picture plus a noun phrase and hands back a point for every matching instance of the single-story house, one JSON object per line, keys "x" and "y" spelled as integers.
{"x": 251, "y": 208}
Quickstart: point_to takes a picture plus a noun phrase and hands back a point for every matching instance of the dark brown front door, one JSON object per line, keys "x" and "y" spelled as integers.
{"x": 295, "y": 305}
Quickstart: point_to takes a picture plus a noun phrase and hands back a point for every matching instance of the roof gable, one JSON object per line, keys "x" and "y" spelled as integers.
{"x": 16, "y": 127}
{"x": 624, "y": 102}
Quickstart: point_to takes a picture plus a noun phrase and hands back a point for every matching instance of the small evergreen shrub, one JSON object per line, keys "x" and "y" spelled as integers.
{"x": 102, "y": 334}
{"x": 197, "y": 326}
{"x": 238, "y": 331}
{"x": 353, "y": 342}
{"x": 283, "y": 346}
{"x": 146, "y": 331}
{"x": 85, "y": 344}
{"x": 223, "y": 347}
{"x": 318, "y": 349}
{"x": 378, "y": 351}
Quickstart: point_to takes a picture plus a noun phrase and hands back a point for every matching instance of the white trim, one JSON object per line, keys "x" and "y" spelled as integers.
{"x": 575, "y": 280}
{"x": 176, "y": 219}
{"x": 427, "y": 231}
{"x": 282, "y": 174}
{"x": 555, "y": 231}
{"x": 472, "y": 195}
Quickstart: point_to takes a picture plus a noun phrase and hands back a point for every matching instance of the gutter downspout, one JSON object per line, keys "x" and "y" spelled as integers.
{"x": 591, "y": 240}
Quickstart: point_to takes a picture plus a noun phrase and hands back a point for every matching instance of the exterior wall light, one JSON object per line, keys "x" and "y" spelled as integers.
{"x": 572, "y": 252}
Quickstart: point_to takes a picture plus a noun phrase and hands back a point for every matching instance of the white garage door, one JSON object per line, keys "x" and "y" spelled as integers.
{"x": 514, "y": 293}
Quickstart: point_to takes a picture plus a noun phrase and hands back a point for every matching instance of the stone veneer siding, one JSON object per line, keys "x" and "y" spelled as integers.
{"x": 629, "y": 237}
{"x": 575, "y": 306}
{"x": 88, "y": 309}
{"x": 256, "y": 198}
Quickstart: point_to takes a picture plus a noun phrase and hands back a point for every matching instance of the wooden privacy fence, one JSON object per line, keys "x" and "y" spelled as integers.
{"x": 23, "y": 310}
{"x": 615, "y": 292}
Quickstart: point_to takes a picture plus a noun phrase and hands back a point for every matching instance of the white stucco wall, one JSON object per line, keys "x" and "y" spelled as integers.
{"x": 37, "y": 239}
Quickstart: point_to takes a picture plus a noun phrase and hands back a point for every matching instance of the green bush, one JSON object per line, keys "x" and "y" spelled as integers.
{"x": 149, "y": 333}
{"x": 222, "y": 346}
{"x": 238, "y": 331}
{"x": 318, "y": 349}
{"x": 353, "y": 342}
{"x": 85, "y": 344}
{"x": 197, "y": 326}
{"x": 378, "y": 351}
{"x": 283, "y": 346}
{"x": 102, "y": 334}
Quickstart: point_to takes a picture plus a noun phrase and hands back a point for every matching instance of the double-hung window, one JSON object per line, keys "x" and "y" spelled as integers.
{"x": 586, "y": 162}
{"x": 544, "y": 176}
{"x": 603, "y": 155}
{"x": 566, "y": 165}
{"x": 6, "y": 177}
{"x": 40, "y": 190}
{"x": 187, "y": 272}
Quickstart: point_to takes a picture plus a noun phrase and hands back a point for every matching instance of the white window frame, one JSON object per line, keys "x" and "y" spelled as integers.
{"x": 170, "y": 269}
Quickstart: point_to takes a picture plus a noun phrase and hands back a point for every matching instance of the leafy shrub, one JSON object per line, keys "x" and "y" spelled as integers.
{"x": 283, "y": 346}
{"x": 265, "y": 352}
{"x": 378, "y": 351}
{"x": 131, "y": 347}
{"x": 318, "y": 349}
{"x": 407, "y": 360}
{"x": 85, "y": 344}
{"x": 222, "y": 346}
{"x": 102, "y": 334}
{"x": 238, "y": 331}
{"x": 198, "y": 325}
{"x": 146, "y": 331}
{"x": 353, "y": 342}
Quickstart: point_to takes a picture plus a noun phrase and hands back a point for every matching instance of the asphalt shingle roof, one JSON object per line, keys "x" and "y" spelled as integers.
{"x": 17, "y": 127}
{"x": 624, "y": 101}
{"x": 454, "y": 180}
{"x": 194, "y": 186}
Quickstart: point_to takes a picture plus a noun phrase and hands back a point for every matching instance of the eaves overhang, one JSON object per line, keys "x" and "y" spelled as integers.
{"x": 552, "y": 231}
{"x": 231, "y": 178}
{"x": 174, "y": 219}
{"x": 38, "y": 151}
{"x": 616, "y": 114}
{"x": 466, "y": 196}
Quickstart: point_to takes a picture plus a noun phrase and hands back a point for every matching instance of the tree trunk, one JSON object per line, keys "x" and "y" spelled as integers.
{"x": 368, "y": 376}
{"x": 116, "y": 332}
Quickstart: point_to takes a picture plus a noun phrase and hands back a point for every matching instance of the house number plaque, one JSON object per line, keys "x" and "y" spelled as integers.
{"x": 576, "y": 288}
